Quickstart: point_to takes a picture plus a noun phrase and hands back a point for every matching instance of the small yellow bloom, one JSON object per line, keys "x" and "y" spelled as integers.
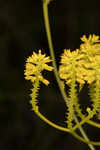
{"x": 88, "y": 109}
{"x": 91, "y": 39}
{"x": 68, "y": 58}
{"x": 90, "y": 50}
{"x": 86, "y": 61}
{"x": 35, "y": 65}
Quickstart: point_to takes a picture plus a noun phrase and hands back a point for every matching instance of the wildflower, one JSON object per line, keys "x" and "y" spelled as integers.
{"x": 91, "y": 39}
{"x": 90, "y": 62}
{"x": 85, "y": 62}
{"x": 69, "y": 61}
{"x": 35, "y": 65}
{"x": 91, "y": 45}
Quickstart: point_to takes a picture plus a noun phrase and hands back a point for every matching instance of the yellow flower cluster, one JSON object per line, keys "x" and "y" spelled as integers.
{"x": 90, "y": 50}
{"x": 35, "y": 65}
{"x": 86, "y": 61}
{"x": 68, "y": 61}
{"x": 91, "y": 45}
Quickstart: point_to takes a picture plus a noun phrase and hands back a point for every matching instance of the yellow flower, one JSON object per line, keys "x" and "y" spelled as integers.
{"x": 90, "y": 50}
{"x": 91, "y": 45}
{"x": 91, "y": 39}
{"x": 86, "y": 62}
{"x": 68, "y": 63}
{"x": 35, "y": 65}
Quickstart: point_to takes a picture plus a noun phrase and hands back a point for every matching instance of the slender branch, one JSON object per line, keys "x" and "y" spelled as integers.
{"x": 48, "y": 32}
{"x": 67, "y": 130}
{"x": 83, "y": 121}
{"x": 84, "y": 135}
{"x": 90, "y": 143}
{"x": 93, "y": 123}
{"x": 51, "y": 123}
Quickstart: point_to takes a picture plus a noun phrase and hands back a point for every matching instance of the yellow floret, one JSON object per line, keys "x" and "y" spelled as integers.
{"x": 35, "y": 65}
{"x": 86, "y": 61}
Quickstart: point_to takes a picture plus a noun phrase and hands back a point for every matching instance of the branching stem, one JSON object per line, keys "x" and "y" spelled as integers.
{"x": 48, "y": 32}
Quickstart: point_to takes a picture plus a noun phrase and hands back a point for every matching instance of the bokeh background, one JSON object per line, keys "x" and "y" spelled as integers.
{"x": 22, "y": 32}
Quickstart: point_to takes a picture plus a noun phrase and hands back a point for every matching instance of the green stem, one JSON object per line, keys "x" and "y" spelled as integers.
{"x": 84, "y": 134}
{"x": 48, "y": 32}
{"x": 95, "y": 124}
{"x": 84, "y": 120}
{"x": 51, "y": 123}
{"x": 90, "y": 143}
{"x": 67, "y": 130}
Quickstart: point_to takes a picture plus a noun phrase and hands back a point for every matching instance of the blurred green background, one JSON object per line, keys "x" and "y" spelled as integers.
{"x": 22, "y": 32}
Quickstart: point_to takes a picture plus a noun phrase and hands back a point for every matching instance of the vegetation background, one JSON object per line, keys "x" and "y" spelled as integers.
{"x": 22, "y": 32}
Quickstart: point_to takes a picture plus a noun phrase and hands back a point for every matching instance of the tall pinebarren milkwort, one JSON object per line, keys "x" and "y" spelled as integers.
{"x": 77, "y": 68}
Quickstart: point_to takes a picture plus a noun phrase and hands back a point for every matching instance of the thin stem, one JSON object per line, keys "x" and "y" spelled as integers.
{"x": 83, "y": 121}
{"x": 84, "y": 135}
{"x": 90, "y": 143}
{"x": 93, "y": 123}
{"x": 48, "y": 32}
{"x": 69, "y": 131}
{"x": 51, "y": 123}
